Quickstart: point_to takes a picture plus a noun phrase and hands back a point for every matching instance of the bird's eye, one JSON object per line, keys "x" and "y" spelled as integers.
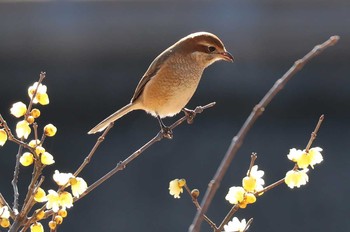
{"x": 211, "y": 49}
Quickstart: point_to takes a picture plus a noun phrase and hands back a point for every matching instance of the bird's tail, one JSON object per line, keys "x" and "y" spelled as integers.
{"x": 113, "y": 117}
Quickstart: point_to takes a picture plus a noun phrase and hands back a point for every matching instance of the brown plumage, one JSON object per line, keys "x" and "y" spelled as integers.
{"x": 172, "y": 78}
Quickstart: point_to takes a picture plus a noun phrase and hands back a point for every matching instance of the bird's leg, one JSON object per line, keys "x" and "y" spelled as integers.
{"x": 167, "y": 132}
{"x": 190, "y": 114}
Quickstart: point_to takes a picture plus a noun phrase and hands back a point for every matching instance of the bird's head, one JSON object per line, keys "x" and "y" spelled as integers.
{"x": 204, "y": 47}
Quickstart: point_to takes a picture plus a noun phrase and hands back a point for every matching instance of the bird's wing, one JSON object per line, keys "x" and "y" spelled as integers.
{"x": 151, "y": 72}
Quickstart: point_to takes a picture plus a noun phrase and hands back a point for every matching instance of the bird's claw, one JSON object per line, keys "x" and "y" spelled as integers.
{"x": 190, "y": 115}
{"x": 167, "y": 132}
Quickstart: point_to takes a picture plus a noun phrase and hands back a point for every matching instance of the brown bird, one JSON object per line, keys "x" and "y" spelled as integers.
{"x": 172, "y": 78}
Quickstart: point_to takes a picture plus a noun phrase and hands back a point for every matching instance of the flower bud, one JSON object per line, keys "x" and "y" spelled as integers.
{"x": 30, "y": 119}
{"x": 195, "y": 193}
{"x": 37, "y": 227}
{"x": 50, "y": 130}
{"x": 40, "y": 214}
{"x": 52, "y": 225}
{"x": 35, "y": 113}
{"x": 4, "y": 222}
{"x": 182, "y": 182}
{"x": 58, "y": 219}
{"x": 63, "y": 213}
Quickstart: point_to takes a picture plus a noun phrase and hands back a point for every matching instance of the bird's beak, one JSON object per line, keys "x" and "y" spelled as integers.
{"x": 226, "y": 56}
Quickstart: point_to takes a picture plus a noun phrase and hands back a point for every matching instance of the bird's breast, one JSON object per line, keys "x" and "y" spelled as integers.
{"x": 171, "y": 88}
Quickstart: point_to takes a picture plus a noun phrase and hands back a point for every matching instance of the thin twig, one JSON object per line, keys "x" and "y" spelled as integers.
{"x": 43, "y": 137}
{"x": 235, "y": 208}
{"x": 249, "y": 222}
{"x": 311, "y": 140}
{"x": 18, "y": 222}
{"x": 15, "y": 180}
{"x": 122, "y": 165}
{"x": 35, "y": 128}
{"x": 93, "y": 150}
{"x": 11, "y": 137}
{"x": 257, "y": 111}
{"x": 253, "y": 157}
{"x": 38, "y": 167}
{"x": 198, "y": 207}
{"x": 91, "y": 153}
{"x": 314, "y": 133}
{"x": 33, "y": 218}
{"x": 279, "y": 182}
{"x": 271, "y": 186}
{"x": 228, "y": 217}
{"x": 41, "y": 78}
{"x": 21, "y": 144}
{"x": 29, "y": 204}
{"x": 4, "y": 202}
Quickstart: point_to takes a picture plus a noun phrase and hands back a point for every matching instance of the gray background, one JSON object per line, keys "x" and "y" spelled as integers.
{"x": 94, "y": 54}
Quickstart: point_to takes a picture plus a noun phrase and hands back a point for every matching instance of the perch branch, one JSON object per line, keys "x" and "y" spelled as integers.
{"x": 121, "y": 165}
{"x": 257, "y": 111}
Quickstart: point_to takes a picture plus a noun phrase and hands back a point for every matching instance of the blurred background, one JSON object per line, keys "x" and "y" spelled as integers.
{"x": 95, "y": 52}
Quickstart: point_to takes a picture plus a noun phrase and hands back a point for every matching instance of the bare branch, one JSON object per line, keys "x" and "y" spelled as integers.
{"x": 41, "y": 78}
{"x": 35, "y": 129}
{"x": 93, "y": 150}
{"x": 198, "y": 207}
{"x": 11, "y": 137}
{"x": 228, "y": 217}
{"x": 38, "y": 167}
{"x": 314, "y": 133}
{"x": 249, "y": 222}
{"x": 257, "y": 111}
{"x": 15, "y": 180}
{"x": 30, "y": 202}
{"x": 253, "y": 157}
{"x": 121, "y": 165}
{"x": 21, "y": 217}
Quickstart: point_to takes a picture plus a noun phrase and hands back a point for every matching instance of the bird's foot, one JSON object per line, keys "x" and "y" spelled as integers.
{"x": 190, "y": 114}
{"x": 167, "y": 132}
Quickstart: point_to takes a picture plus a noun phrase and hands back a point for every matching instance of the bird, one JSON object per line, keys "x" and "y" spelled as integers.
{"x": 172, "y": 78}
